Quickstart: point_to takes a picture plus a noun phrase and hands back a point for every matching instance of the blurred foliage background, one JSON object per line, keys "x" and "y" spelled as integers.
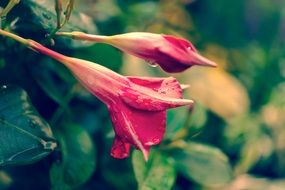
{"x": 234, "y": 138}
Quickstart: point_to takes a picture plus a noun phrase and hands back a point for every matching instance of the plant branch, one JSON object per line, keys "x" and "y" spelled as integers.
{"x": 15, "y": 37}
{"x": 9, "y": 7}
{"x": 67, "y": 12}
{"x": 58, "y": 10}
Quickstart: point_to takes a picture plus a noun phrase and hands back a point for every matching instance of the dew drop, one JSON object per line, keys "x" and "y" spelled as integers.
{"x": 152, "y": 63}
{"x": 4, "y": 87}
{"x": 189, "y": 48}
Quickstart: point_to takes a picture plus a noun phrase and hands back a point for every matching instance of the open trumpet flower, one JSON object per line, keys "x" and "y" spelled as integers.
{"x": 171, "y": 53}
{"x": 137, "y": 105}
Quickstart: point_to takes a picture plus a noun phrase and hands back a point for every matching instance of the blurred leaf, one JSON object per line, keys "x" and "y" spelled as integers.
{"x": 217, "y": 90}
{"x": 248, "y": 182}
{"x": 24, "y": 136}
{"x": 134, "y": 66}
{"x": 198, "y": 117}
{"x": 181, "y": 20}
{"x": 53, "y": 78}
{"x": 273, "y": 116}
{"x": 142, "y": 12}
{"x": 176, "y": 119}
{"x": 97, "y": 53}
{"x": 119, "y": 173}
{"x": 2, "y": 63}
{"x": 255, "y": 149}
{"x": 190, "y": 126}
{"x": 78, "y": 158}
{"x": 103, "y": 11}
{"x": 5, "y": 180}
{"x": 204, "y": 164}
{"x": 157, "y": 173}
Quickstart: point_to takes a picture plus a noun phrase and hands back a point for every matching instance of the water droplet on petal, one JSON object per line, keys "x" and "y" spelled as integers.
{"x": 152, "y": 63}
{"x": 189, "y": 48}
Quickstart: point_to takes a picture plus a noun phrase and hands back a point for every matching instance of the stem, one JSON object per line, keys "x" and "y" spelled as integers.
{"x": 67, "y": 13}
{"x": 83, "y": 36}
{"x": 9, "y": 7}
{"x": 58, "y": 10}
{"x": 35, "y": 46}
{"x": 15, "y": 37}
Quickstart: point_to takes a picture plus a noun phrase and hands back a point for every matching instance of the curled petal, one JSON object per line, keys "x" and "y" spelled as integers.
{"x": 154, "y": 95}
{"x": 120, "y": 149}
{"x": 140, "y": 128}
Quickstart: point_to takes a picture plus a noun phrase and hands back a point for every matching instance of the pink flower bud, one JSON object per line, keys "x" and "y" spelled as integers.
{"x": 173, "y": 54}
{"x": 137, "y": 105}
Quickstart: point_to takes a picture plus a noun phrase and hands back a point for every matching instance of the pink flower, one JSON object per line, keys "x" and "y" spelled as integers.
{"x": 137, "y": 105}
{"x": 173, "y": 54}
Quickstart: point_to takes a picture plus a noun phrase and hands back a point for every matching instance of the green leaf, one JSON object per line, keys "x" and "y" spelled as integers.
{"x": 176, "y": 119}
{"x": 204, "y": 164}
{"x": 24, "y": 136}
{"x": 157, "y": 173}
{"x": 78, "y": 158}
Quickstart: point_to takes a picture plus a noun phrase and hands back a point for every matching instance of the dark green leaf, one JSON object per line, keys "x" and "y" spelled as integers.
{"x": 2, "y": 63}
{"x": 157, "y": 173}
{"x": 78, "y": 158}
{"x": 53, "y": 78}
{"x": 24, "y": 136}
{"x": 204, "y": 164}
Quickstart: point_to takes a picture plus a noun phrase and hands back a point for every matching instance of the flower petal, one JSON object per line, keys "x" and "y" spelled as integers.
{"x": 154, "y": 95}
{"x": 170, "y": 87}
{"x": 179, "y": 42}
{"x": 120, "y": 149}
{"x": 137, "y": 127}
{"x": 179, "y": 55}
{"x": 153, "y": 83}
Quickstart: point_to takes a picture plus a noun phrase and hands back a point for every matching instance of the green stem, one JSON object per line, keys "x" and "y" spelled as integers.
{"x": 67, "y": 13}
{"x": 58, "y": 10}
{"x": 9, "y": 7}
{"x": 15, "y": 37}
